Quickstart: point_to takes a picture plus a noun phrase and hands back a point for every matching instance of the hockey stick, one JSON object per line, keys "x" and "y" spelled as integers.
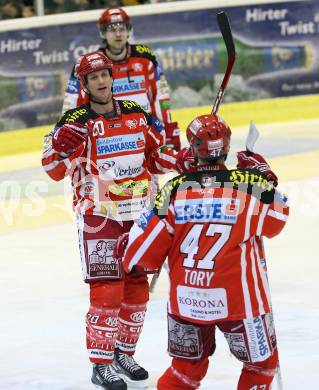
{"x": 225, "y": 29}
{"x": 156, "y": 276}
{"x": 154, "y": 280}
{"x": 251, "y": 139}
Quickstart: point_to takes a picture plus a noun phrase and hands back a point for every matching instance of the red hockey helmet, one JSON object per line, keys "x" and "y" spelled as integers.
{"x": 113, "y": 15}
{"x": 91, "y": 62}
{"x": 209, "y": 137}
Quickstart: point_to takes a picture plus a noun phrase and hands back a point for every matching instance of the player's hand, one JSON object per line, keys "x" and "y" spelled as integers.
{"x": 185, "y": 161}
{"x": 172, "y": 133}
{"x": 69, "y": 137}
{"x": 250, "y": 160}
{"x": 120, "y": 247}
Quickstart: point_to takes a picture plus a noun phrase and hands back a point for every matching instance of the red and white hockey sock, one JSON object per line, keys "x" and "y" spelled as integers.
{"x": 131, "y": 320}
{"x": 255, "y": 378}
{"x": 101, "y": 333}
{"x": 183, "y": 374}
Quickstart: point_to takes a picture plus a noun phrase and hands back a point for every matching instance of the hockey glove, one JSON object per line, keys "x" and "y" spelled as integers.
{"x": 185, "y": 161}
{"x": 250, "y": 160}
{"x": 120, "y": 247}
{"x": 172, "y": 132}
{"x": 69, "y": 137}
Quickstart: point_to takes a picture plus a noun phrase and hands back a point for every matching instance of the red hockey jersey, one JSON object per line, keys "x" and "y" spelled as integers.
{"x": 110, "y": 172}
{"x": 210, "y": 226}
{"x": 138, "y": 77}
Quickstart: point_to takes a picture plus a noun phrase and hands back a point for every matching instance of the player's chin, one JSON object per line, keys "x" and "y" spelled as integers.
{"x": 104, "y": 96}
{"x": 120, "y": 45}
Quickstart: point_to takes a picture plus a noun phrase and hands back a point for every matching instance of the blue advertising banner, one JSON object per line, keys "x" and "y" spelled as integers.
{"x": 277, "y": 55}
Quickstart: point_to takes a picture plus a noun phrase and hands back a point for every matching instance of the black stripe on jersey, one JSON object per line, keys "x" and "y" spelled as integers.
{"x": 166, "y": 194}
{"x": 249, "y": 181}
{"x": 78, "y": 115}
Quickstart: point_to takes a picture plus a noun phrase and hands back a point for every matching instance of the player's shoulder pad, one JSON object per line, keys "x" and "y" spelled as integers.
{"x": 166, "y": 194}
{"x": 79, "y": 114}
{"x": 130, "y": 107}
{"x": 143, "y": 51}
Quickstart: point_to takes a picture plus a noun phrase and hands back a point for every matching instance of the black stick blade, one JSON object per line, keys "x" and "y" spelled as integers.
{"x": 225, "y": 29}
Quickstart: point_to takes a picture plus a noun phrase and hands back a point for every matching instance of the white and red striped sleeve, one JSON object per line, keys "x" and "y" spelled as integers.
{"x": 149, "y": 241}
{"x": 159, "y": 158}
{"x": 163, "y": 160}
{"x": 273, "y": 217}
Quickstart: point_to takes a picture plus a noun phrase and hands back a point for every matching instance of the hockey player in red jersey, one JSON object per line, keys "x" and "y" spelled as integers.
{"x": 209, "y": 224}
{"x": 108, "y": 147}
{"x": 136, "y": 72}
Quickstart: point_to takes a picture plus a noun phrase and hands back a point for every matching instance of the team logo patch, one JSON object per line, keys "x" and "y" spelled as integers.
{"x": 137, "y": 67}
{"x": 237, "y": 345}
{"x": 138, "y": 316}
{"x": 105, "y": 165}
{"x": 88, "y": 188}
{"x": 111, "y": 321}
{"x": 184, "y": 340}
{"x": 101, "y": 260}
{"x": 131, "y": 123}
{"x": 207, "y": 181}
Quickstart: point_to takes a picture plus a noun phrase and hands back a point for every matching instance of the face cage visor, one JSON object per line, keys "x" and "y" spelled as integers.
{"x": 114, "y": 27}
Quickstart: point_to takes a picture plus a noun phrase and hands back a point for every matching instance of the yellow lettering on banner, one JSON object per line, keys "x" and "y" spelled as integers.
{"x": 172, "y": 59}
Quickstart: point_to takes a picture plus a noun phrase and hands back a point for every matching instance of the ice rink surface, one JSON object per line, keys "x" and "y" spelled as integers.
{"x": 43, "y": 300}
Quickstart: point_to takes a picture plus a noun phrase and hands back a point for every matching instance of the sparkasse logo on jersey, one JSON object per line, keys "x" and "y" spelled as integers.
{"x": 133, "y": 84}
{"x": 121, "y": 143}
